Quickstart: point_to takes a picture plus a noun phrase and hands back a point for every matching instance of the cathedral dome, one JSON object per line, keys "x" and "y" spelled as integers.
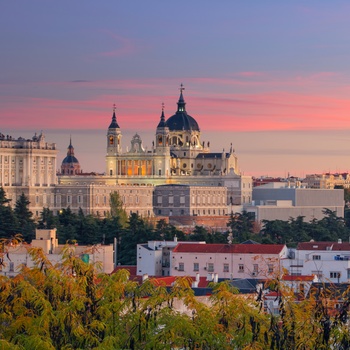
{"x": 70, "y": 165}
{"x": 69, "y": 160}
{"x": 181, "y": 120}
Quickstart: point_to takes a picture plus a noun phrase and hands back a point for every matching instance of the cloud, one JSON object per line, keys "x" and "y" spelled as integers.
{"x": 124, "y": 46}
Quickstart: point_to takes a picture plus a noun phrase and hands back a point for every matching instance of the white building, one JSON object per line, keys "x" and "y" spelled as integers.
{"x": 228, "y": 260}
{"x": 28, "y": 166}
{"x": 154, "y": 257}
{"x": 14, "y": 257}
{"x": 329, "y": 261}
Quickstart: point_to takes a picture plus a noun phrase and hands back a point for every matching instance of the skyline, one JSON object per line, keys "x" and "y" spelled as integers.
{"x": 271, "y": 78}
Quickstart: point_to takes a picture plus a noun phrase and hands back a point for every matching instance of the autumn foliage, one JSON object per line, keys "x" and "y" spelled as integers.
{"x": 71, "y": 306}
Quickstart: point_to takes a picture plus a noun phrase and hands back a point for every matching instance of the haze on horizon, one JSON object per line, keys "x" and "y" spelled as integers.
{"x": 270, "y": 77}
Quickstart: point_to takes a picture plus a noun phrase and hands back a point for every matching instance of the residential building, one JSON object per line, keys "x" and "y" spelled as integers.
{"x": 329, "y": 261}
{"x": 14, "y": 257}
{"x": 260, "y": 261}
{"x": 154, "y": 257}
{"x": 327, "y": 181}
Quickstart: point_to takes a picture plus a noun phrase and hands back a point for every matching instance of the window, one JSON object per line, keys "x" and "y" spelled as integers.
{"x": 270, "y": 268}
{"x": 240, "y": 268}
{"x": 226, "y": 268}
{"x": 171, "y": 200}
{"x": 159, "y": 200}
{"x": 210, "y": 267}
{"x": 12, "y": 266}
{"x": 319, "y": 274}
{"x": 334, "y": 274}
{"x": 316, "y": 257}
{"x": 255, "y": 267}
{"x": 182, "y": 200}
{"x": 195, "y": 266}
{"x": 181, "y": 267}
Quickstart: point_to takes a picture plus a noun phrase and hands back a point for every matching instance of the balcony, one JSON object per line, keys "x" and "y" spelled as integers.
{"x": 296, "y": 263}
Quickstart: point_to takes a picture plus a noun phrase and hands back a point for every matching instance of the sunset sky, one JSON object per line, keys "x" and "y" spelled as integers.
{"x": 271, "y": 76}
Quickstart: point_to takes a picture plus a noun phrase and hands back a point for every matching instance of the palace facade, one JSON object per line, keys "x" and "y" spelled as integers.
{"x": 177, "y": 157}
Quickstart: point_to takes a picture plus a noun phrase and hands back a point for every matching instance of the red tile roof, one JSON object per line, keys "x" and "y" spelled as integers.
{"x": 131, "y": 268}
{"x": 169, "y": 280}
{"x": 298, "y": 278}
{"x": 163, "y": 281}
{"x": 229, "y": 248}
{"x": 334, "y": 246}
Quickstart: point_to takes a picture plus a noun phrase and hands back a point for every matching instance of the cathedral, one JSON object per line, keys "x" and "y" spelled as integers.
{"x": 176, "y": 151}
{"x": 176, "y": 175}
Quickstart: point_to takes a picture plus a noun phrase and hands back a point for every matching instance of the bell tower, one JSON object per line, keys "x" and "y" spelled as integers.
{"x": 162, "y": 148}
{"x": 114, "y": 148}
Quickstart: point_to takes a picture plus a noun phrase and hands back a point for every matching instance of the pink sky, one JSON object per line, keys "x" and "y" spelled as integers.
{"x": 270, "y": 77}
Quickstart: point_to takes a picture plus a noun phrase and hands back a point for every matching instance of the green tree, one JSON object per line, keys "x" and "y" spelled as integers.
{"x": 167, "y": 232}
{"x": 26, "y": 226}
{"x": 276, "y": 231}
{"x": 241, "y": 225}
{"x": 8, "y": 220}
{"x": 117, "y": 208}
{"x": 47, "y": 219}
{"x": 334, "y": 224}
{"x": 138, "y": 231}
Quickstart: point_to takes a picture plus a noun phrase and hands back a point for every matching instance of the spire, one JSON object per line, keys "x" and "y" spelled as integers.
{"x": 162, "y": 118}
{"x": 114, "y": 124}
{"x": 181, "y": 104}
{"x": 70, "y": 149}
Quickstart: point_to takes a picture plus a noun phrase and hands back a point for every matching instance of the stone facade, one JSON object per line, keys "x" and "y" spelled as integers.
{"x": 186, "y": 200}
{"x": 177, "y": 157}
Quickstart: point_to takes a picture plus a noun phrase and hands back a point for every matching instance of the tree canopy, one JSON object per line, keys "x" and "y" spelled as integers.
{"x": 71, "y": 306}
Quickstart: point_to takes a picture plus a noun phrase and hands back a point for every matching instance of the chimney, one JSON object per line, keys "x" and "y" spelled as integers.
{"x": 144, "y": 277}
{"x": 216, "y": 277}
{"x": 197, "y": 277}
{"x": 340, "y": 241}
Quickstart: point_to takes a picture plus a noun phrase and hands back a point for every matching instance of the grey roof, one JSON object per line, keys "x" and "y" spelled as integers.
{"x": 114, "y": 124}
{"x": 212, "y": 155}
{"x": 181, "y": 120}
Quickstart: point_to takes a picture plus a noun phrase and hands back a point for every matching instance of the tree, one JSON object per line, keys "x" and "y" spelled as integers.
{"x": 117, "y": 208}
{"x": 26, "y": 226}
{"x": 241, "y": 225}
{"x": 8, "y": 220}
{"x": 71, "y": 306}
{"x": 47, "y": 219}
{"x": 167, "y": 232}
{"x": 276, "y": 230}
